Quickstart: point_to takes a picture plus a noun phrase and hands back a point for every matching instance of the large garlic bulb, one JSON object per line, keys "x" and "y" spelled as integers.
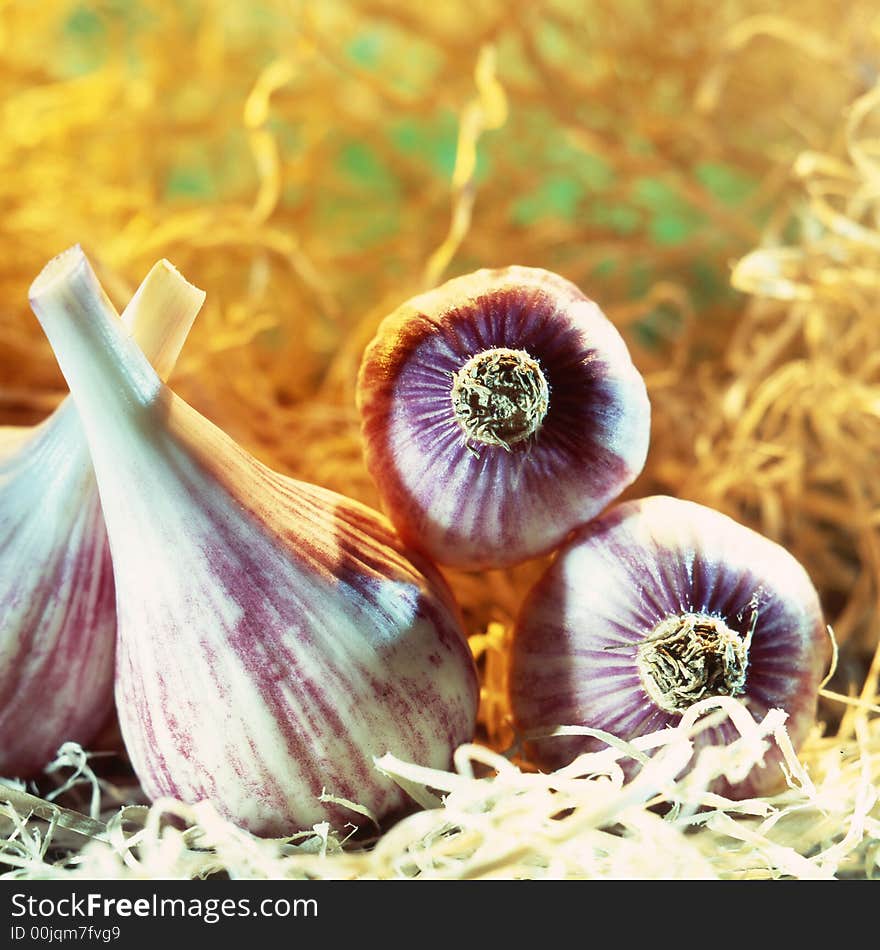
{"x": 273, "y": 636}
{"x": 57, "y": 610}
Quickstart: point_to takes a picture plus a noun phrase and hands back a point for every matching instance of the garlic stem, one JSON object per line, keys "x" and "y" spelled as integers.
{"x": 101, "y": 364}
{"x": 161, "y": 314}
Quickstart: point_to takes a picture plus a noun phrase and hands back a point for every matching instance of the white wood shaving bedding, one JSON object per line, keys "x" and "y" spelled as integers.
{"x": 487, "y": 818}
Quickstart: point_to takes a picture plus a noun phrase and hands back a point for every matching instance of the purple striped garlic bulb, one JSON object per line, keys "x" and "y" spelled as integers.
{"x": 274, "y": 637}
{"x": 655, "y": 605}
{"x": 499, "y": 411}
{"x": 57, "y": 608}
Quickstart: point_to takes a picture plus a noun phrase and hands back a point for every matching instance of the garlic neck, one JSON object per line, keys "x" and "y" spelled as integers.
{"x": 691, "y": 656}
{"x": 103, "y": 366}
{"x": 500, "y": 397}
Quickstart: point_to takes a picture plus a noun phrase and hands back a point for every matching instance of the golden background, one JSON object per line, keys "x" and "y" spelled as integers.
{"x": 707, "y": 171}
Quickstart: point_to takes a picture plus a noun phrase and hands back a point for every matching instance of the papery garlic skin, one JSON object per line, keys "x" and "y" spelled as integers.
{"x": 273, "y": 636}
{"x": 575, "y": 656}
{"x": 57, "y": 599}
{"x": 474, "y": 504}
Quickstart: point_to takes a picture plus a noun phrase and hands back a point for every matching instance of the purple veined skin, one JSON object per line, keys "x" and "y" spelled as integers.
{"x": 274, "y": 637}
{"x": 499, "y": 411}
{"x": 655, "y": 605}
{"x": 57, "y": 599}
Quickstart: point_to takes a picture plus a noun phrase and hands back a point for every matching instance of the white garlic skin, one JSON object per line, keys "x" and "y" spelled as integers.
{"x": 273, "y": 636}
{"x": 57, "y": 599}
{"x": 472, "y": 505}
{"x": 575, "y": 643}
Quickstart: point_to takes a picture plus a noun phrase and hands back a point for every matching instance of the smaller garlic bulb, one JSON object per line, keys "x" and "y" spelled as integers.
{"x": 57, "y": 598}
{"x": 655, "y": 605}
{"x": 500, "y": 411}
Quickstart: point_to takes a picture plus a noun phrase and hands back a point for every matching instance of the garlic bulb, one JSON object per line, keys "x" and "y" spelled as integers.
{"x": 57, "y": 609}
{"x": 499, "y": 411}
{"x": 653, "y": 606}
{"x": 273, "y": 636}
